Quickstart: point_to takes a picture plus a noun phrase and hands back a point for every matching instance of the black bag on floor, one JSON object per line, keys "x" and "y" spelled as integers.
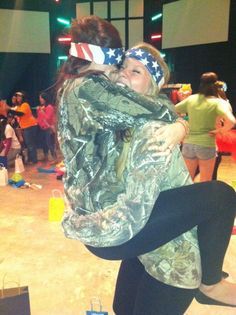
{"x": 3, "y": 160}
{"x": 14, "y": 301}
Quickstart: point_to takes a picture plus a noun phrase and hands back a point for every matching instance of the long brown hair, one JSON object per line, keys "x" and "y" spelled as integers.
{"x": 92, "y": 30}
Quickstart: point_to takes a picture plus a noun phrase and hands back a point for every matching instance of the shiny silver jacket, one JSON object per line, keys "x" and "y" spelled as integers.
{"x": 107, "y": 211}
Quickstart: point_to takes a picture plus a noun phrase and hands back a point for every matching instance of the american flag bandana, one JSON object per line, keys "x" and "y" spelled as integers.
{"x": 149, "y": 62}
{"x": 97, "y": 54}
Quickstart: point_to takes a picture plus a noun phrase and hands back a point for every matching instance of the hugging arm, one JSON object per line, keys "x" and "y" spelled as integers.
{"x": 125, "y": 102}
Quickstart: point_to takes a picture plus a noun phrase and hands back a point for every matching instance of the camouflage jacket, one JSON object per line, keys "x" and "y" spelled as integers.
{"x": 107, "y": 211}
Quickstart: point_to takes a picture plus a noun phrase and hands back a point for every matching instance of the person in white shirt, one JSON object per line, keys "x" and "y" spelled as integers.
{"x": 10, "y": 143}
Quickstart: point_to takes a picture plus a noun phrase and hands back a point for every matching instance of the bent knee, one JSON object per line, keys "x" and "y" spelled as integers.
{"x": 225, "y": 194}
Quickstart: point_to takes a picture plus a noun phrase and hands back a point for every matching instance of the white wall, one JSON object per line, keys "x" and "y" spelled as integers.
{"x": 24, "y": 31}
{"x": 195, "y": 22}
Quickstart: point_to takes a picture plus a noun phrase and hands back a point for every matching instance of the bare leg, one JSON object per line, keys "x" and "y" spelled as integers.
{"x": 192, "y": 165}
{"x": 206, "y": 169}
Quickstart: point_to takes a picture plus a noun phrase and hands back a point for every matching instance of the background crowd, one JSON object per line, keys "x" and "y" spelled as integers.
{"x": 24, "y": 130}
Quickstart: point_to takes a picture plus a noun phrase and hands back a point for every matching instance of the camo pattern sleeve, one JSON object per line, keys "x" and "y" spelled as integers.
{"x": 106, "y": 211}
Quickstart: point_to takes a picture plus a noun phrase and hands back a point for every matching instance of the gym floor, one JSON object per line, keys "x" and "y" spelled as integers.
{"x": 61, "y": 274}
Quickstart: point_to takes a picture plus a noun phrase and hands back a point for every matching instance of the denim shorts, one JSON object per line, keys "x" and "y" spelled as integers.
{"x": 194, "y": 151}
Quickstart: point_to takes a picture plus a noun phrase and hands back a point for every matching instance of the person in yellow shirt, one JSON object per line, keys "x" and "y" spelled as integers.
{"x": 204, "y": 108}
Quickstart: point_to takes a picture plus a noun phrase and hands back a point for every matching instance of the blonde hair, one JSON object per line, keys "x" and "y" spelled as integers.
{"x": 156, "y": 55}
{"x": 154, "y": 90}
{"x": 125, "y": 136}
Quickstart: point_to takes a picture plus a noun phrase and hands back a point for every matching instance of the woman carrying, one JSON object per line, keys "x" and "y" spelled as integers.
{"x": 118, "y": 184}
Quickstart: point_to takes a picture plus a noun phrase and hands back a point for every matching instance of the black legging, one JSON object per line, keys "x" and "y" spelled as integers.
{"x": 137, "y": 293}
{"x": 210, "y": 205}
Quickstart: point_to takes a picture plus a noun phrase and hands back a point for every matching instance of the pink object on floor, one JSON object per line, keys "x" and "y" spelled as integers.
{"x": 234, "y": 230}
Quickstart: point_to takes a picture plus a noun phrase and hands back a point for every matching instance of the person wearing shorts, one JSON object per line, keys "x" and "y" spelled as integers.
{"x": 194, "y": 152}
{"x": 203, "y": 109}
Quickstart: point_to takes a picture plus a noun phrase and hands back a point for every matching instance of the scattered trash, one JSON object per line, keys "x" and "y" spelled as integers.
{"x": 17, "y": 181}
{"x": 46, "y": 170}
{"x": 33, "y": 186}
{"x": 16, "y": 177}
{"x": 17, "y": 184}
{"x": 60, "y": 170}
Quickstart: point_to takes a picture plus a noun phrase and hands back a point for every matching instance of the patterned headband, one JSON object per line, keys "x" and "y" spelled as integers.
{"x": 97, "y": 54}
{"x": 149, "y": 62}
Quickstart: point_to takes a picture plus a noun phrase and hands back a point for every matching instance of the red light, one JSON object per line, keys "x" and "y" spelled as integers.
{"x": 156, "y": 36}
{"x": 64, "y": 39}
